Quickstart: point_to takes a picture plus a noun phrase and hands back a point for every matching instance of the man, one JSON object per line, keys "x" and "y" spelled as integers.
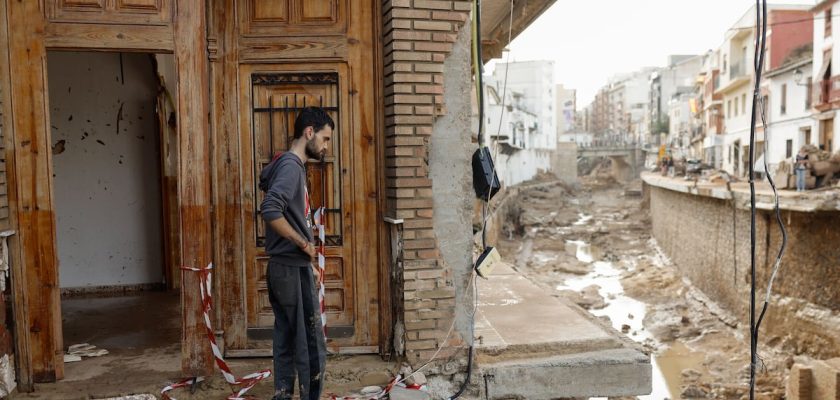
{"x": 801, "y": 168}
{"x": 298, "y": 342}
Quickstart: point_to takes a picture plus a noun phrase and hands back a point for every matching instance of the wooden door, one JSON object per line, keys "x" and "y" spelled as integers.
{"x": 294, "y": 54}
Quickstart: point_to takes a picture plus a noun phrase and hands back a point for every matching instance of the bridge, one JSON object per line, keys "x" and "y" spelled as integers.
{"x": 627, "y": 159}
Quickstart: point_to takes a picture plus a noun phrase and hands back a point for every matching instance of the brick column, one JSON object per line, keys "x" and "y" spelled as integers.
{"x": 418, "y": 36}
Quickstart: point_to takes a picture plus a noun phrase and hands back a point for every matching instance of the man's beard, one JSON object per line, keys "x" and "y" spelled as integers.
{"x": 312, "y": 151}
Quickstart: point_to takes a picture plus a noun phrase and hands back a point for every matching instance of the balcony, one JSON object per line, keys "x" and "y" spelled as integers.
{"x": 827, "y": 94}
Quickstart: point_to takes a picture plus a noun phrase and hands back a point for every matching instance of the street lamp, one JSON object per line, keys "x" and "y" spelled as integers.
{"x": 797, "y": 77}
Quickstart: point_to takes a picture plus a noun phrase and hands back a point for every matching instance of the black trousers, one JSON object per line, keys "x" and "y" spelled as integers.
{"x": 299, "y": 346}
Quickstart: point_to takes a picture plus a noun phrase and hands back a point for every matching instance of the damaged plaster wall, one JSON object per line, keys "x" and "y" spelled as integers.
{"x": 106, "y": 168}
{"x": 450, "y": 152}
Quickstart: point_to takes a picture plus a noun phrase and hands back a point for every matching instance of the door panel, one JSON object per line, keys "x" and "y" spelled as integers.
{"x": 129, "y": 12}
{"x": 274, "y": 96}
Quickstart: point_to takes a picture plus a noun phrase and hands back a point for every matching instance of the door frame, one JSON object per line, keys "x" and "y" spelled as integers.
{"x": 27, "y": 36}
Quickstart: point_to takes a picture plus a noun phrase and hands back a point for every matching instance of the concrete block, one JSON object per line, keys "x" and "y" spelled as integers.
{"x": 826, "y": 380}
{"x": 606, "y": 373}
{"x": 401, "y": 393}
{"x": 799, "y": 383}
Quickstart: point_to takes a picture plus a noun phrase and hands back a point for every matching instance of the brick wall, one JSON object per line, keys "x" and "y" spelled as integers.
{"x": 418, "y": 35}
{"x": 708, "y": 240}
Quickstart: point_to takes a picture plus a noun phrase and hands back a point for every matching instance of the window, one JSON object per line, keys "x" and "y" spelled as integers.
{"x": 724, "y": 62}
{"x": 744, "y": 103}
{"x": 789, "y": 148}
{"x": 808, "y": 93}
{"x": 807, "y": 136}
{"x": 783, "y": 101}
{"x": 728, "y": 108}
{"x": 736, "y": 106}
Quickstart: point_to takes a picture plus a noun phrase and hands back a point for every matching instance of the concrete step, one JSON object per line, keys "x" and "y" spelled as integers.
{"x": 535, "y": 346}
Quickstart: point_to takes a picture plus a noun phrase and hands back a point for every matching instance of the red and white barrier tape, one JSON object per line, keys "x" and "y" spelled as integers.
{"x": 246, "y": 382}
{"x": 322, "y": 261}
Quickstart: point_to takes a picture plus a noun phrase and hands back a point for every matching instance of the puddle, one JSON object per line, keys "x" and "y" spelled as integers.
{"x": 582, "y": 219}
{"x": 626, "y": 314}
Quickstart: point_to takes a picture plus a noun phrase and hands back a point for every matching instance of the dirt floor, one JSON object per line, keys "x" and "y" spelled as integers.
{"x": 592, "y": 246}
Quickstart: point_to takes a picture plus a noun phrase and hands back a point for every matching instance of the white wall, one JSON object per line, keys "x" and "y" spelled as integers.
{"x": 522, "y": 165}
{"x": 535, "y": 80}
{"x": 107, "y": 180}
{"x": 791, "y": 124}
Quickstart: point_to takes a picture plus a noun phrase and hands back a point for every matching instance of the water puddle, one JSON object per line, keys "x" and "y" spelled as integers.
{"x": 582, "y": 219}
{"x": 626, "y": 315}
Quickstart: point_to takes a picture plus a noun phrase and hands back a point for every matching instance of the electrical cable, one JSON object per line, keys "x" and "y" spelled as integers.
{"x": 792, "y": 21}
{"x": 761, "y": 37}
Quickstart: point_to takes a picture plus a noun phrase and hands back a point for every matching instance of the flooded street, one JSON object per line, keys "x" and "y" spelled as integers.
{"x": 592, "y": 246}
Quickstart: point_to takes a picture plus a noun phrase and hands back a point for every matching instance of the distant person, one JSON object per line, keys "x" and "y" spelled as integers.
{"x": 800, "y": 167}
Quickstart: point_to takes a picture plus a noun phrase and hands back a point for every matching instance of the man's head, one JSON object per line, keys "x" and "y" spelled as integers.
{"x": 315, "y": 127}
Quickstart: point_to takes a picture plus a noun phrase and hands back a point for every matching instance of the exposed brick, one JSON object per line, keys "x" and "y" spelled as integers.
{"x": 433, "y": 4}
{"x": 414, "y": 203}
{"x": 411, "y": 56}
{"x": 429, "y": 274}
{"x": 424, "y": 110}
{"x": 410, "y": 35}
{"x": 433, "y": 25}
{"x": 418, "y": 304}
{"x": 432, "y": 334}
{"x": 428, "y": 213}
{"x": 420, "y": 244}
{"x": 419, "y": 224}
{"x": 433, "y": 46}
{"x": 428, "y": 89}
{"x": 427, "y": 254}
{"x": 412, "y": 78}
{"x": 413, "y": 326}
{"x": 444, "y": 37}
{"x": 412, "y": 99}
{"x": 438, "y": 57}
{"x": 436, "y": 294}
{"x": 449, "y": 16}
{"x": 424, "y": 233}
{"x": 411, "y": 14}
{"x": 400, "y": 172}
{"x": 428, "y": 67}
{"x": 412, "y": 182}
{"x": 421, "y": 344}
{"x": 418, "y": 285}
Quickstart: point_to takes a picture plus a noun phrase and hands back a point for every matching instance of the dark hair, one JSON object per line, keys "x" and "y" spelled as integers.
{"x": 315, "y": 117}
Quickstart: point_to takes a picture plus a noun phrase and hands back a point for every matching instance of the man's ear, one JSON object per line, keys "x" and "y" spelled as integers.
{"x": 309, "y": 132}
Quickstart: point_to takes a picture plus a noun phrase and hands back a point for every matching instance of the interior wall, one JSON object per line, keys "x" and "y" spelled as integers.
{"x": 106, "y": 168}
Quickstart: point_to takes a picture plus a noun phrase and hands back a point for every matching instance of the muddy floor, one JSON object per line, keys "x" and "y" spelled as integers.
{"x": 592, "y": 246}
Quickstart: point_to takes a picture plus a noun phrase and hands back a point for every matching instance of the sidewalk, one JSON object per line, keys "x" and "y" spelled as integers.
{"x": 535, "y": 346}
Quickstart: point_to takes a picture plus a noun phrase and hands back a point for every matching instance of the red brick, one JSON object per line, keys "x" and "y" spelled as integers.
{"x": 444, "y": 37}
{"x": 420, "y": 344}
{"x": 410, "y": 14}
{"x": 410, "y": 35}
{"x": 412, "y": 182}
{"x": 427, "y": 254}
{"x": 416, "y": 203}
{"x": 418, "y": 304}
{"x": 436, "y": 294}
{"x": 427, "y": 324}
{"x": 433, "y": 46}
{"x": 428, "y": 213}
{"x": 411, "y": 77}
{"x": 416, "y": 244}
{"x": 433, "y": 4}
{"x": 449, "y": 16}
{"x": 428, "y": 67}
{"x": 433, "y": 25}
{"x": 428, "y": 89}
{"x": 412, "y": 99}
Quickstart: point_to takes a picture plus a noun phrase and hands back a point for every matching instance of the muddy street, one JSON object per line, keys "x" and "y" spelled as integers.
{"x": 592, "y": 246}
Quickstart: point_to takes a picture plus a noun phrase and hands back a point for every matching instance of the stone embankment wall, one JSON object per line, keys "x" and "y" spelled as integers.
{"x": 708, "y": 240}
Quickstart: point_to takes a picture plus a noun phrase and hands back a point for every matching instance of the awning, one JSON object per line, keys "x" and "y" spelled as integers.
{"x": 825, "y": 65}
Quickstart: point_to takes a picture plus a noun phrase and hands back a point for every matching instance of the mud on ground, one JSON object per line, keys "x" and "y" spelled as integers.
{"x": 558, "y": 235}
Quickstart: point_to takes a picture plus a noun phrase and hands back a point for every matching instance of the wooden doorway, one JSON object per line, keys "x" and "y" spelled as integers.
{"x": 278, "y": 57}
{"x": 826, "y": 134}
{"x": 30, "y": 29}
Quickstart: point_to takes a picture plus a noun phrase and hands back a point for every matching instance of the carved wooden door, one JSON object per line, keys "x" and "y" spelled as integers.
{"x": 295, "y": 54}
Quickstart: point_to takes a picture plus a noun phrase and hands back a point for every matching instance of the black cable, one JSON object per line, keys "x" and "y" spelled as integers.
{"x": 761, "y": 37}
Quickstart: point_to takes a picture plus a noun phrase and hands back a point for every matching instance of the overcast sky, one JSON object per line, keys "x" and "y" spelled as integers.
{"x": 590, "y": 40}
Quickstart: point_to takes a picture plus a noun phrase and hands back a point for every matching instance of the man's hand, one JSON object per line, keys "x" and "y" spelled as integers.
{"x": 310, "y": 249}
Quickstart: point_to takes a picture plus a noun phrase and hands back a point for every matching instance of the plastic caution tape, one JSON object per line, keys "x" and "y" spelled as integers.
{"x": 322, "y": 261}
{"x": 246, "y": 382}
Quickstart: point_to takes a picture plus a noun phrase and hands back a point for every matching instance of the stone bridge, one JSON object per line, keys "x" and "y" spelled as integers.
{"x": 627, "y": 160}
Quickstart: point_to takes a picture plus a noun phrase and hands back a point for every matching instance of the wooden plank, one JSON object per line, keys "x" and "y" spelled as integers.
{"x": 193, "y": 178}
{"x": 384, "y": 266}
{"x": 366, "y": 215}
{"x": 289, "y": 48}
{"x": 19, "y": 300}
{"x": 31, "y": 197}
{"x": 229, "y": 241}
{"x": 78, "y": 36}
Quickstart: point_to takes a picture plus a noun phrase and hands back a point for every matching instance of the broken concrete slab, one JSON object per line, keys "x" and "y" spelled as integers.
{"x": 401, "y": 393}
{"x": 536, "y": 346}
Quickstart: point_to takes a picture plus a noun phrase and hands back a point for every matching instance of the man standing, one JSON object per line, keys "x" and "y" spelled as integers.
{"x": 299, "y": 344}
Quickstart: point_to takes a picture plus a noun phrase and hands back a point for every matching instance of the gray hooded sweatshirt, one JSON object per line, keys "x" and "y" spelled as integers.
{"x": 284, "y": 181}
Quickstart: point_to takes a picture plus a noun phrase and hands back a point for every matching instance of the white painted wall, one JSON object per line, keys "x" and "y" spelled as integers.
{"x": 791, "y": 124}
{"x": 522, "y": 165}
{"x": 107, "y": 180}
{"x": 535, "y": 80}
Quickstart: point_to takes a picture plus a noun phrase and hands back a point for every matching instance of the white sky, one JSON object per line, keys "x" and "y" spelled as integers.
{"x": 591, "y": 40}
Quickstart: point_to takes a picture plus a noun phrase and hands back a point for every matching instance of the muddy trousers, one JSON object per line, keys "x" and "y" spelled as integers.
{"x": 299, "y": 347}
